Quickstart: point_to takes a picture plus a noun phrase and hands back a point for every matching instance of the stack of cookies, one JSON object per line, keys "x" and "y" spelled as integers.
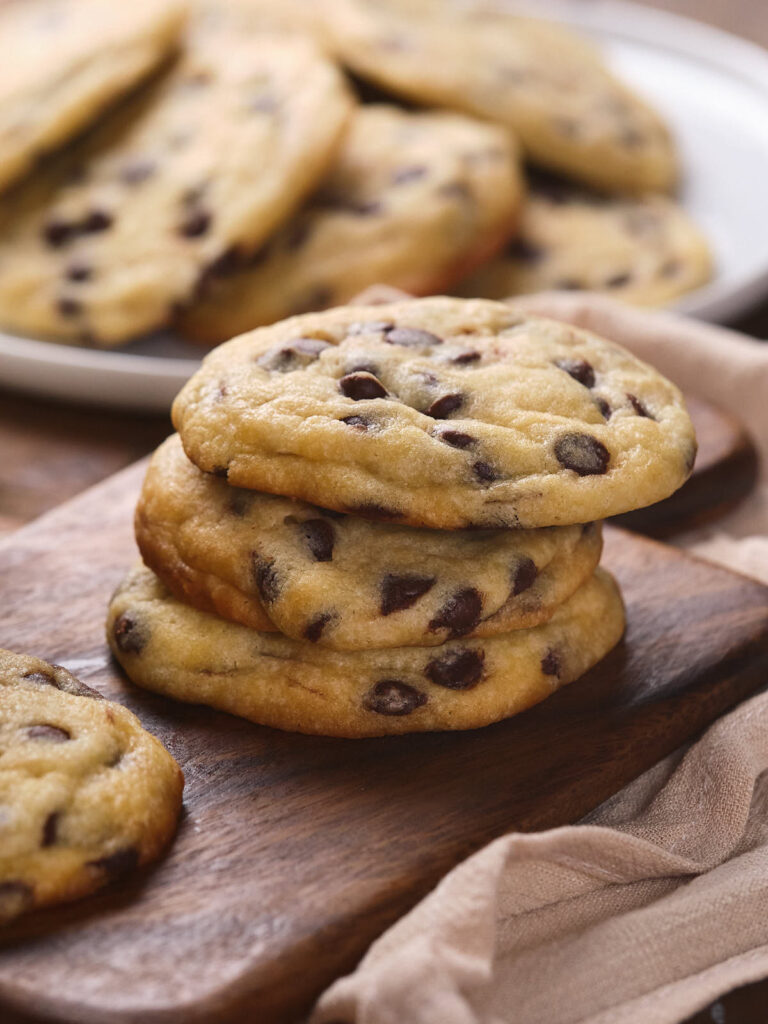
{"x": 385, "y": 519}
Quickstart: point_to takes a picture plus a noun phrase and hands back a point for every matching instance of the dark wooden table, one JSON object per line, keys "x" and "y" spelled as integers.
{"x": 51, "y": 452}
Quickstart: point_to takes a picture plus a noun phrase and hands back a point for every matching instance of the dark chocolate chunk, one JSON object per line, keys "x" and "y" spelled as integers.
{"x": 550, "y": 663}
{"x": 49, "y": 733}
{"x": 393, "y": 697}
{"x": 265, "y": 577}
{"x": 455, "y": 438}
{"x": 58, "y": 232}
{"x": 639, "y": 407}
{"x": 457, "y": 670}
{"x": 361, "y": 386}
{"x": 412, "y": 173}
{"x": 604, "y": 407}
{"x": 443, "y": 407}
{"x": 524, "y": 575}
{"x": 118, "y": 863}
{"x": 50, "y": 829}
{"x": 314, "y": 628}
{"x": 460, "y": 613}
{"x": 195, "y": 225}
{"x": 484, "y": 472}
{"x": 320, "y": 536}
{"x": 579, "y": 369}
{"x": 403, "y": 591}
{"x": 582, "y": 453}
{"x": 471, "y": 355}
{"x": 412, "y": 337}
{"x": 130, "y": 635}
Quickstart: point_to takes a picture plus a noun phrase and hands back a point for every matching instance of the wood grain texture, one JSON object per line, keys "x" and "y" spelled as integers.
{"x": 295, "y": 852}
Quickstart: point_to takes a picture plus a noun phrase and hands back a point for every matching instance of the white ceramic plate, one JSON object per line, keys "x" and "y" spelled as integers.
{"x": 712, "y": 87}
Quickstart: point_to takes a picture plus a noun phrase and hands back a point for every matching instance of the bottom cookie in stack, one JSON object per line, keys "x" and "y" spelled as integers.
{"x": 171, "y": 648}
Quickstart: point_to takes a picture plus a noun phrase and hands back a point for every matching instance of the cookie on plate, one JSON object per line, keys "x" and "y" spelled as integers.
{"x": 209, "y": 159}
{"x": 551, "y": 87}
{"x": 438, "y": 412}
{"x": 341, "y": 581}
{"x": 645, "y": 250}
{"x": 65, "y": 60}
{"x": 176, "y": 650}
{"x": 413, "y": 200}
{"x": 85, "y": 793}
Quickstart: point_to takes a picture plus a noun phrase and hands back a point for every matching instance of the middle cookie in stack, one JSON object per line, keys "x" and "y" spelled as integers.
{"x": 437, "y": 412}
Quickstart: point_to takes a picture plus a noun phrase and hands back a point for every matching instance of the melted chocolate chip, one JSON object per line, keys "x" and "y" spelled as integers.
{"x": 639, "y": 407}
{"x": 195, "y": 225}
{"x": 404, "y": 174}
{"x": 50, "y": 829}
{"x": 444, "y": 406}
{"x": 314, "y": 628}
{"x": 582, "y": 453}
{"x": 78, "y": 272}
{"x": 369, "y": 327}
{"x": 604, "y": 407}
{"x": 357, "y": 422}
{"x": 265, "y": 577}
{"x": 524, "y": 576}
{"x": 455, "y": 438}
{"x": 393, "y": 697}
{"x": 130, "y": 636}
{"x": 69, "y": 307}
{"x": 118, "y": 863}
{"x": 49, "y": 733}
{"x": 579, "y": 369}
{"x": 399, "y": 592}
{"x": 456, "y": 670}
{"x": 320, "y": 536}
{"x": 412, "y": 337}
{"x": 460, "y": 613}
{"x": 484, "y": 472}
{"x": 469, "y": 356}
{"x": 550, "y": 663}
{"x": 361, "y": 386}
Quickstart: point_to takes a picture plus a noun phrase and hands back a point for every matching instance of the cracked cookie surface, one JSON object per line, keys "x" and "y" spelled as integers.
{"x": 344, "y": 582}
{"x": 176, "y": 650}
{"x": 110, "y": 239}
{"x": 438, "y": 412}
{"x": 86, "y": 794}
{"x": 538, "y": 78}
{"x": 414, "y": 200}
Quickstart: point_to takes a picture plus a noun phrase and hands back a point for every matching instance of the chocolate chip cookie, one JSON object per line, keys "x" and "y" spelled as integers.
{"x": 184, "y": 653}
{"x": 536, "y": 77}
{"x": 645, "y": 250}
{"x": 341, "y": 581}
{"x": 86, "y": 794}
{"x": 438, "y": 412}
{"x": 65, "y": 60}
{"x": 205, "y": 162}
{"x": 413, "y": 200}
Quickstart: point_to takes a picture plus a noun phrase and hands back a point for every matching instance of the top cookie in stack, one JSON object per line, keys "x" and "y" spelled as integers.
{"x": 278, "y": 593}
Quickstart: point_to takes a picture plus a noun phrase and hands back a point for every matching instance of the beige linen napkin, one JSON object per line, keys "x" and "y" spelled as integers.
{"x": 658, "y": 902}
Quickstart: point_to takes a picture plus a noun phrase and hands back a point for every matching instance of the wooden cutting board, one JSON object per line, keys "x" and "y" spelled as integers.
{"x": 295, "y": 852}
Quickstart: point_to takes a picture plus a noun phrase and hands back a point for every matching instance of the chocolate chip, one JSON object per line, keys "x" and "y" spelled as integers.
{"x": 373, "y": 511}
{"x": 357, "y": 422}
{"x": 226, "y": 264}
{"x": 96, "y": 221}
{"x": 78, "y": 272}
{"x": 58, "y": 232}
{"x": 265, "y": 577}
{"x": 582, "y": 453}
{"x": 314, "y": 628}
{"x": 550, "y": 663}
{"x": 69, "y": 307}
{"x": 320, "y": 536}
{"x": 604, "y": 407}
{"x": 130, "y": 636}
{"x": 444, "y": 406}
{"x": 50, "y": 829}
{"x": 220, "y": 471}
{"x": 399, "y": 592}
{"x": 460, "y": 614}
{"x": 412, "y": 337}
{"x": 455, "y": 438}
{"x": 393, "y": 697}
{"x": 40, "y": 678}
{"x": 195, "y": 225}
{"x": 525, "y": 251}
{"x": 413, "y": 173}
{"x": 484, "y": 472}
{"x": 524, "y": 576}
{"x": 456, "y": 670}
{"x": 49, "y": 733}
{"x": 618, "y": 280}
{"x": 136, "y": 171}
{"x": 369, "y": 327}
{"x": 579, "y": 369}
{"x": 639, "y": 407}
{"x": 469, "y": 356}
{"x": 290, "y": 355}
{"x": 118, "y": 863}
{"x": 360, "y": 386}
